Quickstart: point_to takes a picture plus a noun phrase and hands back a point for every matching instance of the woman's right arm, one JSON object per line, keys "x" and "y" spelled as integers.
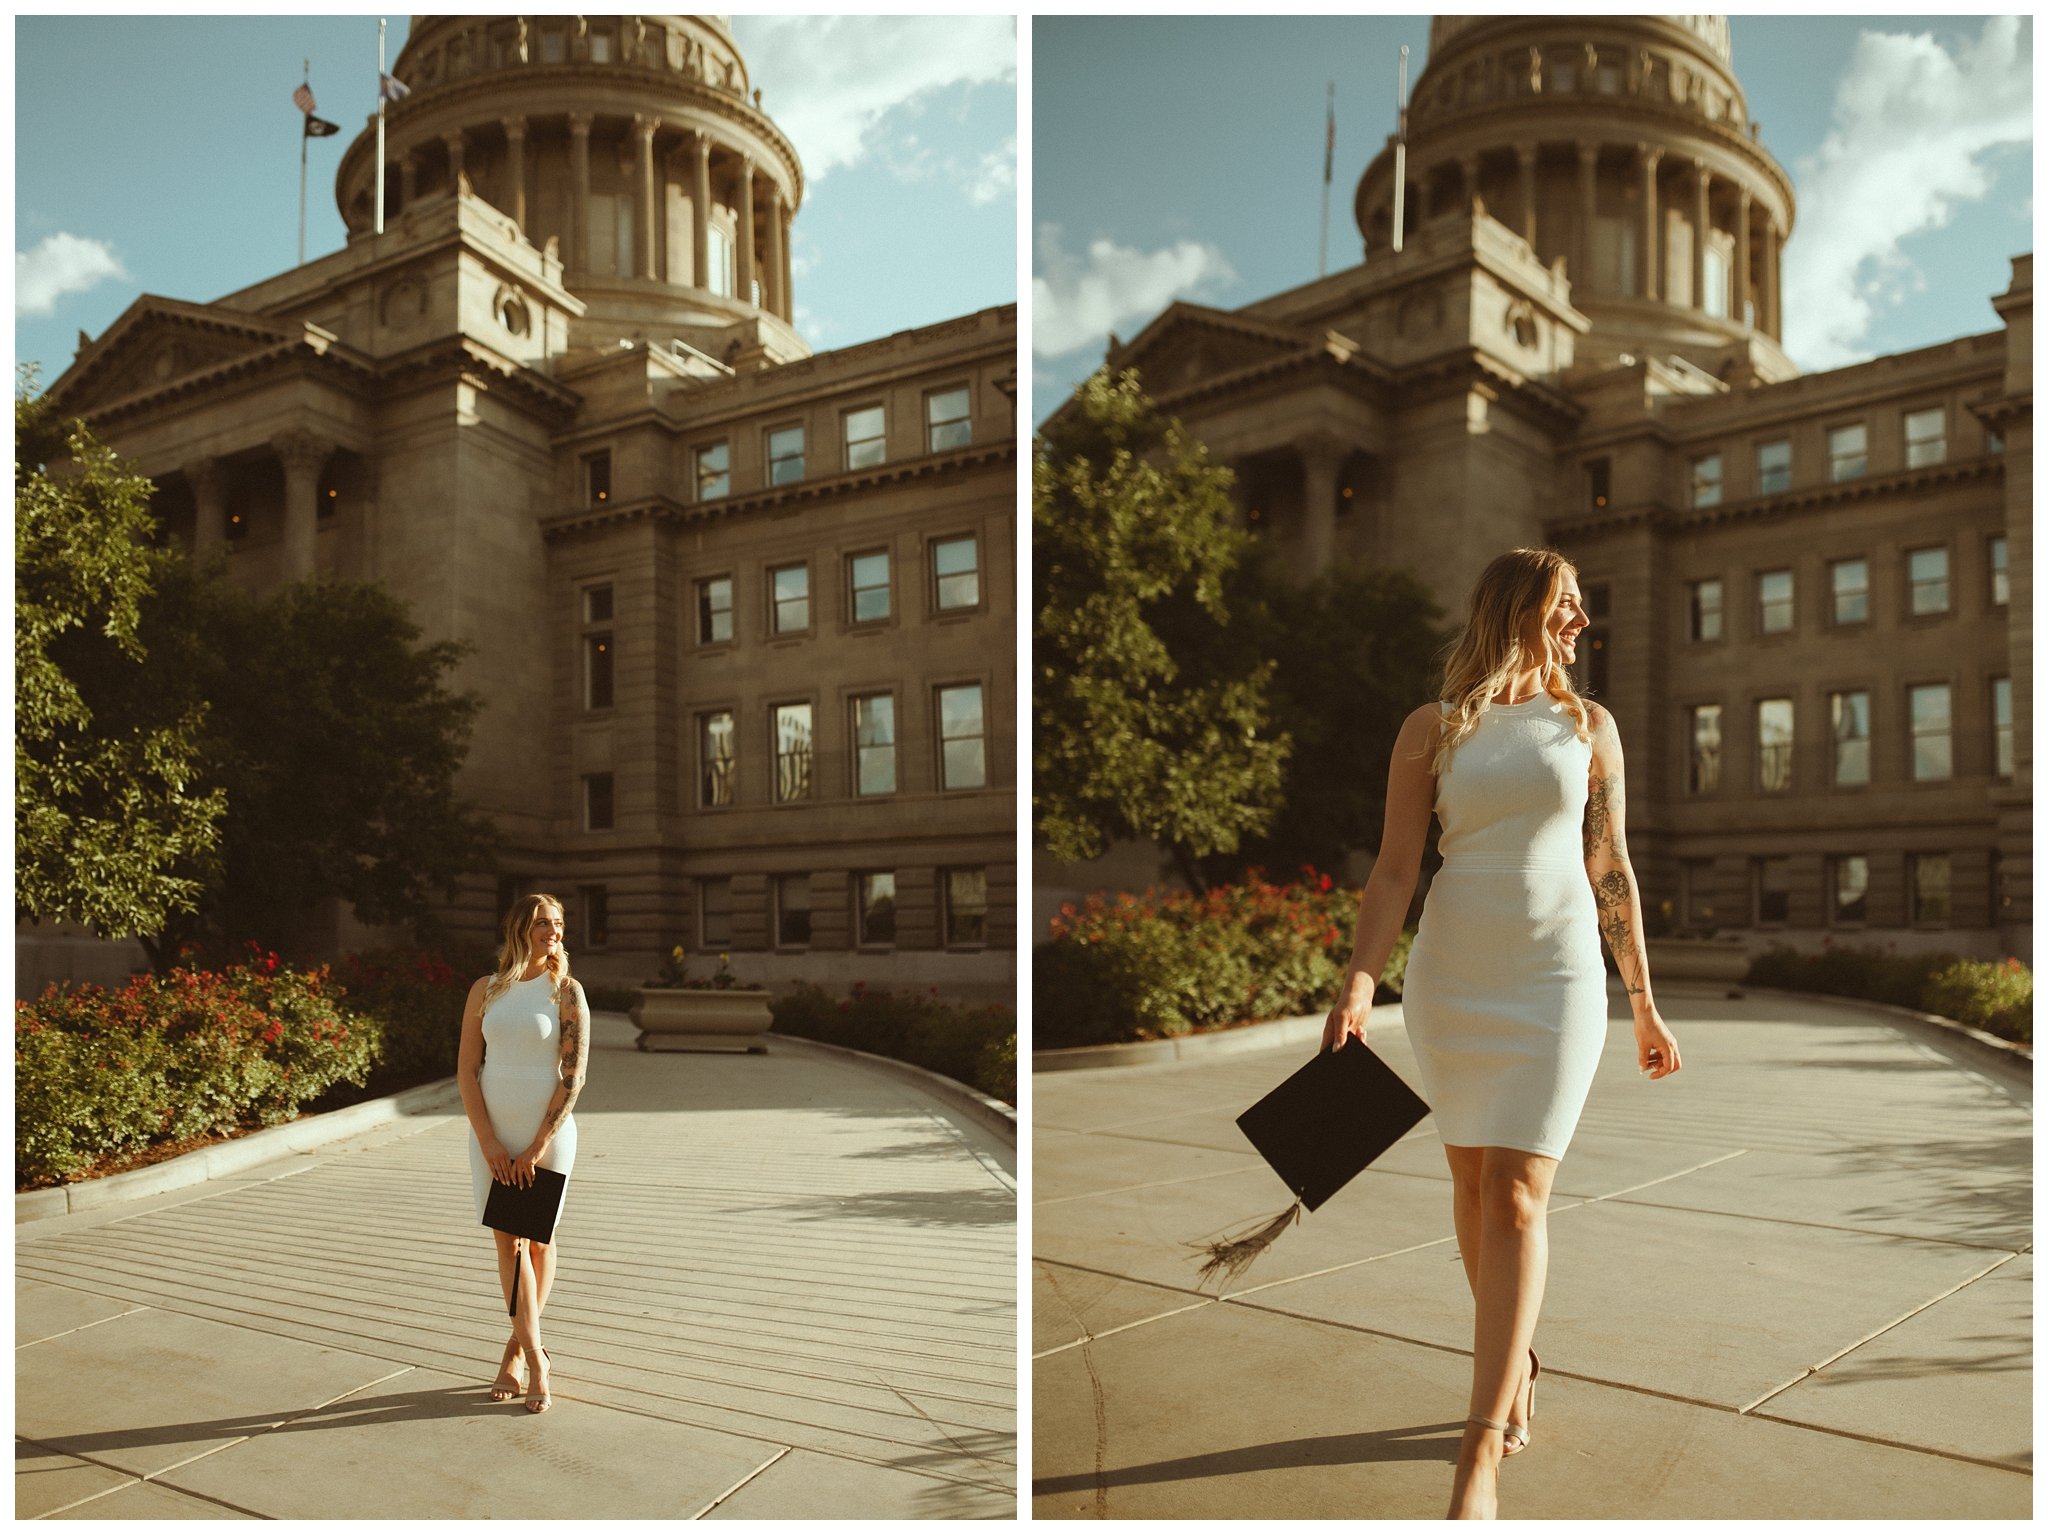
{"x": 469, "y": 1065}
{"x": 1411, "y": 799}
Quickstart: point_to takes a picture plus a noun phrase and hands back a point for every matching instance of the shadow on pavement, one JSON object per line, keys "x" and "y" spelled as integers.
{"x": 406, "y": 1407}
{"x": 1425, "y": 1442}
{"x": 915, "y": 1207}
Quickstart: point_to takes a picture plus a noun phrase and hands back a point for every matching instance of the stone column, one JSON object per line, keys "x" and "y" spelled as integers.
{"x": 453, "y": 140}
{"x": 1772, "y": 252}
{"x": 579, "y": 192}
{"x": 1468, "y": 172}
{"x": 1589, "y": 193}
{"x": 209, "y": 525}
{"x": 302, "y": 455}
{"x": 783, "y": 214}
{"x": 746, "y": 251}
{"x": 775, "y": 296}
{"x": 700, "y": 213}
{"x": 408, "y": 179}
{"x": 1702, "y": 181}
{"x": 1321, "y": 461}
{"x": 1526, "y": 154}
{"x": 643, "y": 136}
{"x": 1741, "y": 299}
{"x": 515, "y": 167}
{"x": 1652, "y": 250}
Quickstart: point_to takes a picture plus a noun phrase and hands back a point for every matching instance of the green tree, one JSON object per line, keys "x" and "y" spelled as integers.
{"x": 1134, "y": 537}
{"x": 112, "y": 827}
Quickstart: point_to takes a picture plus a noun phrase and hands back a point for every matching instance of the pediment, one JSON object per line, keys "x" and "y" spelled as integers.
{"x": 159, "y": 342}
{"x": 1189, "y": 344}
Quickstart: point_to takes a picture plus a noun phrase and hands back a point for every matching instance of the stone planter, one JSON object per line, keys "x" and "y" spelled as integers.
{"x": 1724, "y": 961}
{"x": 675, "y": 1018}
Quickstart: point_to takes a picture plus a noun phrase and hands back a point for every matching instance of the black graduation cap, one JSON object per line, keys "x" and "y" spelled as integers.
{"x": 1318, "y": 1130}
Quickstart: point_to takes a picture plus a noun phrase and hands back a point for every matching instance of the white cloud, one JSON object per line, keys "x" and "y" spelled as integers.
{"x": 1913, "y": 125}
{"x": 996, "y": 176}
{"x": 828, "y": 81}
{"x": 60, "y": 264}
{"x": 1076, "y": 304}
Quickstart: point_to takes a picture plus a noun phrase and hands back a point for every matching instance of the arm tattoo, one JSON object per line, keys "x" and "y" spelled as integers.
{"x": 1598, "y": 818}
{"x": 573, "y": 1056}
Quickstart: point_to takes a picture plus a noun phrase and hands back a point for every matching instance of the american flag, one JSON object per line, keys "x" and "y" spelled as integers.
{"x": 302, "y": 98}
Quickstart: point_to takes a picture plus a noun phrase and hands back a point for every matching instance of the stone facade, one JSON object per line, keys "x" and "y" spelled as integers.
{"x": 1838, "y": 564}
{"x": 608, "y": 463}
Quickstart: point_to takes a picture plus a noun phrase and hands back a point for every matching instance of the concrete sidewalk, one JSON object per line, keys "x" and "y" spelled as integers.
{"x": 1793, "y": 1281}
{"x": 787, "y": 1289}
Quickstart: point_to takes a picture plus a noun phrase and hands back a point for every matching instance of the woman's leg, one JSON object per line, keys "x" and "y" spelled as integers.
{"x": 544, "y": 1255}
{"x": 1514, "y": 1195}
{"x": 1468, "y": 1164}
{"x": 507, "y": 1385}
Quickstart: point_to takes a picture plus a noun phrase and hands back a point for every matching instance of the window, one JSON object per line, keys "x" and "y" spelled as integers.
{"x": 956, "y": 570}
{"x": 1773, "y": 891}
{"x": 1930, "y": 884}
{"x": 1848, "y": 886}
{"x": 2001, "y": 582}
{"x": 1696, "y": 892}
{"x": 1848, "y": 452}
{"x": 962, "y": 763}
{"x": 1926, "y": 437}
{"x": 870, "y": 576}
{"x": 966, "y": 902}
{"x": 551, "y": 51}
{"x": 719, "y": 261}
{"x": 1774, "y": 602}
{"x": 597, "y": 647}
{"x": 792, "y": 911}
{"x": 945, "y": 419}
{"x": 874, "y": 911}
{"x": 714, "y": 914}
{"x": 597, "y": 479}
{"x": 714, "y": 471}
{"x": 1706, "y": 480}
{"x": 874, "y": 744}
{"x": 864, "y": 437}
{"x": 597, "y": 802}
{"x": 786, "y": 455}
{"x": 1933, "y": 752}
{"x": 1717, "y": 269}
{"x": 1706, "y": 609}
{"x": 595, "y": 911}
{"x": 1849, "y": 729}
{"x": 1774, "y": 745}
{"x": 1599, "y": 482}
{"x": 714, "y": 610}
{"x": 2001, "y": 727}
{"x": 792, "y": 752}
{"x": 789, "y": 588}
{"x": 1994, "y": 440}
{"x": 1849, "y": 581}
{"x": 717, "y": 764}
{"x": 1927, "y": 572}
{"x": 1704, "y": 773}
{"x": 1773, "y": 467}
{"x": 600, "y": 47}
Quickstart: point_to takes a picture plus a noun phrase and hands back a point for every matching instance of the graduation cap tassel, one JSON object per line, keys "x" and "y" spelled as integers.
{"x": 1231, "y": 1256}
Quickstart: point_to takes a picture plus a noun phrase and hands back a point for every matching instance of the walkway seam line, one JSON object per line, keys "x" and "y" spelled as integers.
{"x": 82, "y": 1326}
{"x": 736, "y": 1486}
{"x": 1814, "y": 1370}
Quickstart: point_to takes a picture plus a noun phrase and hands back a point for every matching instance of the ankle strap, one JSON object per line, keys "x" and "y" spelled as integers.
{"x": 1488, "y": 1423}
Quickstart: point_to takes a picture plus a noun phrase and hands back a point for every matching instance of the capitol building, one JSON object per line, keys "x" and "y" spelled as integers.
{"x": 1811, "y": 594}
{"x": 742, "y": 615}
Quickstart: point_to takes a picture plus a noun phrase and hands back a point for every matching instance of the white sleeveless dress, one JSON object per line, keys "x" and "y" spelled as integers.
{"x": 522, "y": 1069}
{"x": 1506, "y": 998}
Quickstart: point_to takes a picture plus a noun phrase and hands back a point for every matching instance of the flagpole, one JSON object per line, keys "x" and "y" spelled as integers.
{"x": 378, "y": 174}
{"x": 1329, "y": 148}
{"x": 304, "y": 135}
{"x": 1401, "y": 150}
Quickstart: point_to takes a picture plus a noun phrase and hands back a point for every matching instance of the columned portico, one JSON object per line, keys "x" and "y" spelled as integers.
{"x": 1525, "y": 157}
{"x": 1322, "y": 461}
{"x": 700, "y": 211}
{"x": 1702, "y": 181}
{"x": 649, "y": 211}
{"x": 515, "y": 167}
{"x": 303, "y": 455}
{"x": 1589, "y": 192}
{"x": 579, "y": 192}
{"x": 1741, "y": 301}
{"x": 746, "y": 220}
{"x": 209, "y": 525}
{"x": 1650, "y": 156}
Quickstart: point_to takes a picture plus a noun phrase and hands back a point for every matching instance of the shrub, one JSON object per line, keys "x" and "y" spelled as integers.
{"x": 1176, "y": 962}
{"x": 418, "y": 996}
{"x": 103, "y": 1074}
{"x": 976, "y": 1046}
{"x": 1997, "y": 997}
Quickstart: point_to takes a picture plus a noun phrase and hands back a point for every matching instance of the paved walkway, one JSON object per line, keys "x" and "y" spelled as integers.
{"x": 1793, "y": 1281}
{"x": 787, "y": 1289}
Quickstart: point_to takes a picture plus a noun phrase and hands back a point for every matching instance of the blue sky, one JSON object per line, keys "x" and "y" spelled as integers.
{"x": 160, "y": 154}
{"x": 1182, "y": 157}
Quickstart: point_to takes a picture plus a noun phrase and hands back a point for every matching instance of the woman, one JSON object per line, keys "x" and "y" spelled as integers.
{"x": 525, "y": 1046}
{"x": 1505, "y": 997}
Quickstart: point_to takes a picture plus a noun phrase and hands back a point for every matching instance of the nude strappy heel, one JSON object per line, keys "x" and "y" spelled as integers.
{"x": 1520, "y": 1434}
{"x": 537, "y": 1397}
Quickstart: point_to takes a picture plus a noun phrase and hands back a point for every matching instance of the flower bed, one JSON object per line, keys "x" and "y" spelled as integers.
{"x": 1996, "y": 996}
{"x": 102, "y": 1076}
{"x": 418, "y": 996}
{"x": 1174, "y": 962}
{"x": 974, "y": 1045}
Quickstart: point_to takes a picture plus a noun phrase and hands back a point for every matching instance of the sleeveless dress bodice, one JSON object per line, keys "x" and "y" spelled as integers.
{"x": 522, "y": 1068}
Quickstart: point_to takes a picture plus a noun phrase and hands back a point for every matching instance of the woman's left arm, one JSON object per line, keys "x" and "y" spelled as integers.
{"x": 575, "y": 1016}
{"x": 1615, "y": 894}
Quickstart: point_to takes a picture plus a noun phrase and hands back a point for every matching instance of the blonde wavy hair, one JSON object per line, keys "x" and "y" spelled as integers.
{"x": 515, "y": 951}
{"x": 1513, "y": 595}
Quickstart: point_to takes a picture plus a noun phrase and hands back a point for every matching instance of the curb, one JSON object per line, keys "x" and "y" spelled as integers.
{"x": 1988, "y": 1048}
{"x": 235, "y": 1156}
{"x": 991, "y": 1114}
{"x": 1275, "y": 1032}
